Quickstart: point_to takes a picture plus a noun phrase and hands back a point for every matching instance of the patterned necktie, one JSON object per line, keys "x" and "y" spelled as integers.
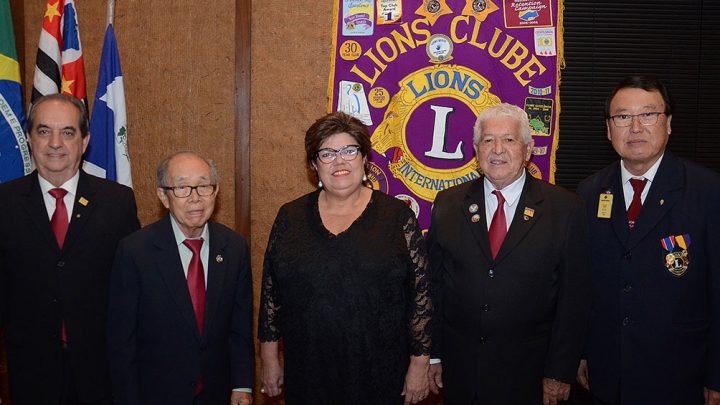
{"x": 498, "y": 225}
{"x": 633, "y": 211}
{"x": 59, "y": 220}
{"x": 196, "y": 281}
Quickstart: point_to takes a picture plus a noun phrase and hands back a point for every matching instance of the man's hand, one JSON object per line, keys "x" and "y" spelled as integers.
{"x": 554, "y": 390}
{"x": 416, "y": 383}
{"x": 241, "y": 398}
{"x": 582, "y": 375}
{"x": 712, "y": 397}
{"x": 435, "y": 377}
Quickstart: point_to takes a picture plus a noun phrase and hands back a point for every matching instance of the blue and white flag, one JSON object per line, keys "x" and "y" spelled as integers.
{"x": 107, "y": 154}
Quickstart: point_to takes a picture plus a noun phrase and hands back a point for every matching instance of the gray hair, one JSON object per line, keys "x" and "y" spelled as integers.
{"x": 162, "y": 169}
{"x": 501, "y": 111}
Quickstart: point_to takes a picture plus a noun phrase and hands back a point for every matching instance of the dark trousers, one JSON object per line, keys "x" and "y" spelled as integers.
{"x": 69, "y": 394}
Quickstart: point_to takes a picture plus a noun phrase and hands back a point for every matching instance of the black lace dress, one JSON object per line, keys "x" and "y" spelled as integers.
{"x": 350, "y": 309}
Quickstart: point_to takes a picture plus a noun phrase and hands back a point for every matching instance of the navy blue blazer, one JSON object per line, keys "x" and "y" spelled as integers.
{"x": 41, "y": 285}
{"x": 655, "y": 333}
{"x": 505, "y": 323}
{"x": 156, "y": 352}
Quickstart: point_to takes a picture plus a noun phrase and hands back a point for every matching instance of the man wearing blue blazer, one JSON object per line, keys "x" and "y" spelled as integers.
{"x": 655, "y": 242}
{"x": 179, "y": 318}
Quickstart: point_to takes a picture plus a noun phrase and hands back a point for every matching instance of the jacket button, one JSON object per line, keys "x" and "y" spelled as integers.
{"x": 61, "y": 263}
{"x": 491, "y": 273}
{"x": 626, "y": 321}
{"x": 628, "y": 287}
{"x": 628, "y": 256}
{"x": 483, "y": 340}
{"x": 486, "y": 308}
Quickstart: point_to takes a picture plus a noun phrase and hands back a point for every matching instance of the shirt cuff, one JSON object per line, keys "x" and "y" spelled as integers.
{"x": 435, "y": 361}
{"x": 248, "y": 390}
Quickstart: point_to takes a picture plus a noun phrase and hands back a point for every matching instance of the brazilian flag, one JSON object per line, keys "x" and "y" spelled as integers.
{"x": 14, "y": 152}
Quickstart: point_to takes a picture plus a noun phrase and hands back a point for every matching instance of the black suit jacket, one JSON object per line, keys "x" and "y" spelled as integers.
{"x": 654, "y": 336}
{"x": 506, "y": 323}
{"x": 156, "y": 351}
{"x": 42, "y": 285}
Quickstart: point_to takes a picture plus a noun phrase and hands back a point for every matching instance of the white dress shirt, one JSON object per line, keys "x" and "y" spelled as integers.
{"x": 628, "y": 191}
{"x": 511, "y": 193}
{"x": 70, "y": 186}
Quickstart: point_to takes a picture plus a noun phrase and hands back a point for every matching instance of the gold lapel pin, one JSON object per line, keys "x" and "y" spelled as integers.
{"x": 528, "y": 213}
{"x": 219, "y": 258}
{"x": 83, "y": 201}
{"x": 475, "y": 218}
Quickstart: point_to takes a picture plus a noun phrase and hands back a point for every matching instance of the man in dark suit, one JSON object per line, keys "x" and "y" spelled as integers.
{"x": 60, "y": 228}
{"x": 655, "y": 225}
{"x": 172, "y": 340}
{"x": 509, "y": 262}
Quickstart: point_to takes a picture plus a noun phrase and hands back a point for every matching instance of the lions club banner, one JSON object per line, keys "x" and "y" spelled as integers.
{"x": 418, "y": 72}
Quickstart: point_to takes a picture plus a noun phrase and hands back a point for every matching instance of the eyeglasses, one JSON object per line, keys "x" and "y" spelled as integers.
{"x": 625, "y": 120}
{"x": 348, "y": 153}
{"x": 203, "y": 190}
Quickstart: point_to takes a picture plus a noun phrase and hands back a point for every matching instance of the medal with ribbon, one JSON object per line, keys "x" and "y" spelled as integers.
{"x": 676, "y": 260}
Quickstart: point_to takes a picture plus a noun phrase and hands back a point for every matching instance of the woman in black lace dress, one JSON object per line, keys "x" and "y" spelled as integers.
{"x": 344, "y": 285}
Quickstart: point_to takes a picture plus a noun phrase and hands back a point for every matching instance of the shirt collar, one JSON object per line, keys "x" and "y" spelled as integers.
{"x": 180, "y": 236}
{"x": 511, "y": 192}
{"x": 625, "y": 175}
{"x": 70, "y": 186}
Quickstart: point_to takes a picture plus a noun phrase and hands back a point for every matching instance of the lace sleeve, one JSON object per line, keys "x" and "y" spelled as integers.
{"x": 268, "y": 328}
{"x": 421, "y": 308}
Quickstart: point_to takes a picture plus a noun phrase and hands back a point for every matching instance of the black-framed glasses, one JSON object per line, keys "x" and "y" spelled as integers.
{"x": 348, "y": 153}
{"x": 203, "y": 190}
{"x": 646, "y": 118}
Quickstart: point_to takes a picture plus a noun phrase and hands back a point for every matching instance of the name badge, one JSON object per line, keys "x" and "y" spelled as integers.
{"x": 605, "y": 205}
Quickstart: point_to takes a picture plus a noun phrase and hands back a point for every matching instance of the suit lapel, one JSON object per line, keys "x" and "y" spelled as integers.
{"x": 216, "y": 273}
{"x": 527, "y": 212}
{"x": 476, "y": 196}
{"x": 665, "y": 191}
{"x": 36, "y": 210}
{"x": 618, "y": 215}
{"x": 83, "y": 207}
{"x": 170, "y": 267}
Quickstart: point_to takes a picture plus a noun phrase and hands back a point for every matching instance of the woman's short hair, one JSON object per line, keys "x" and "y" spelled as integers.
{"x": 332, "y": 124}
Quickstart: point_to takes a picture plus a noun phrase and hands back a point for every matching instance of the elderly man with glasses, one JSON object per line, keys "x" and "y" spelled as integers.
{"x": 655, "y": 250}
{"x": 179, "y": 321}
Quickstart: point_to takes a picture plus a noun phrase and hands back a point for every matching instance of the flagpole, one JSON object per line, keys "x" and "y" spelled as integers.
{"x": 110, "y": 11}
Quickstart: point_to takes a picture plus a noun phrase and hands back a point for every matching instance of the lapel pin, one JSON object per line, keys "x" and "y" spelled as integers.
{"x": 219, "y": 258}
{"x": 83, "y": 201}
{"x": 473, "y": 208}
{"x": 662, "y": 201}
{"x": 475, "y": 218}
{"x": 528, "y": 213}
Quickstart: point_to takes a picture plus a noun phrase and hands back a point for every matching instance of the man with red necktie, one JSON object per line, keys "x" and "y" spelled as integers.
{"x": 508, "y": 254}
{"x": 179, "y": 321}
{"x": 60, "y": 228}
{"x": 655, "y": 225}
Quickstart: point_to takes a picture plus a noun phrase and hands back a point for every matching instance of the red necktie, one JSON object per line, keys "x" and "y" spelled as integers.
{"x": 498, "y": 226}
{"x": 196, "y": 285}
{"x": 196, "y": 281}
{"x": 59, "y": 225}
{"x": 59, "y": 220}
{"x": 633, "y": 211}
